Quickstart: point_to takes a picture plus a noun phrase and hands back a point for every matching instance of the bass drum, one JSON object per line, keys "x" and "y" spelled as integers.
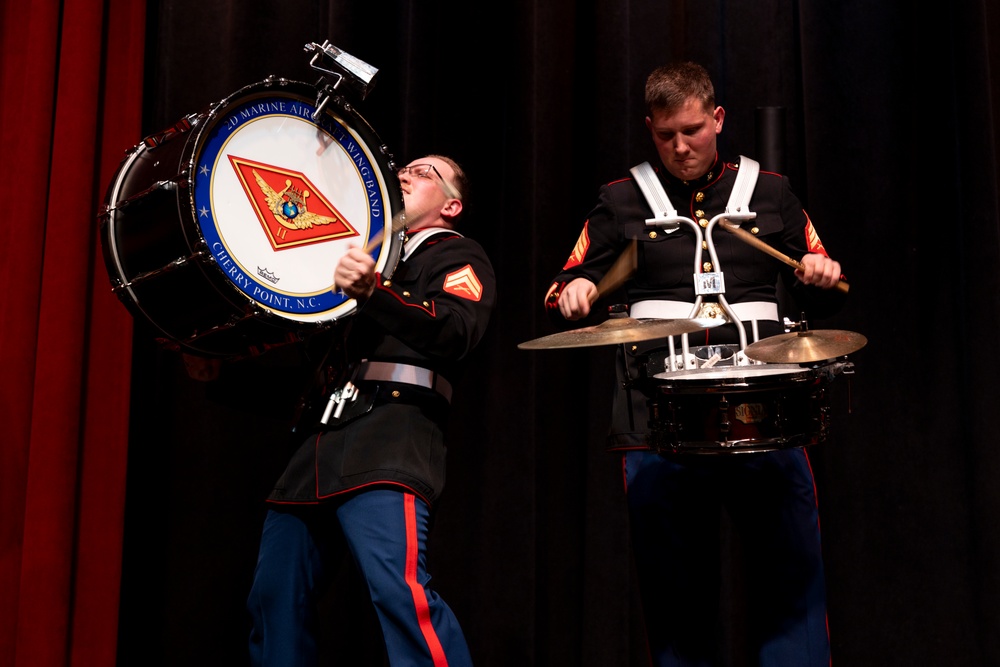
{"x": 223, "y": 231}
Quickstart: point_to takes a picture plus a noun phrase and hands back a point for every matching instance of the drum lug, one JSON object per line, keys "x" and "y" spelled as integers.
{"x": 823, "y": 416}
{"x": 724, "y": 424}
{"x": 663, "y": 440}
{"x": 140, "y": 278}
{"x": 780, "y": 420}
{"x": 169, "y": 186}
{"x": 180, "y": 127}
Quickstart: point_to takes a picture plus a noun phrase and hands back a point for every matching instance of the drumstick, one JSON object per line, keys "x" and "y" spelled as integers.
{"x": 744, "y": 235}
{"x": 619, "y": 272}
{"x": 398, "y": 222}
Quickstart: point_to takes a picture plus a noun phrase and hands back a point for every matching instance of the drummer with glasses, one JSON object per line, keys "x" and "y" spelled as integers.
{"x": 369, "y": 472}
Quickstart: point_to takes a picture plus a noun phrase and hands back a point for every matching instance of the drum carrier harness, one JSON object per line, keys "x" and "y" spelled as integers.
{"x": 666, "y": 219}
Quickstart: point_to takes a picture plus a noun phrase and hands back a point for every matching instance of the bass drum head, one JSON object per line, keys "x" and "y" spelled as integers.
{"x": 268, "y": 199}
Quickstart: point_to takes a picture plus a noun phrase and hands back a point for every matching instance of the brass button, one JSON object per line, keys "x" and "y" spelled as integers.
{"x": 406, "y": 293}
{"x": 387, "y": 283}
{"x": 706, "y": 267}
{"x": 699, "y": 197}
{"x": 704, "y": 245}
{"x": 755, "y": 230}
{"x": 703, "y": 222}
{"x": 395, "y": 393}
{"x": 426, "y": 305}
{"x": 652, "y": 235}
{"x": 699, "y": 214}
{"x": 708, "y": 176}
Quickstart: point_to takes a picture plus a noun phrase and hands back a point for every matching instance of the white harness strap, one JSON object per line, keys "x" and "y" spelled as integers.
{"x": 666, "y": 218}
{"x": 738, "y": 207}
{"x": 664, "y": 213}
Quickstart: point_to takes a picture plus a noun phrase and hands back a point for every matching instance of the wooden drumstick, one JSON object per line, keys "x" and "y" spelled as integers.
{"x": 398, "y": 223}
{"x": 619, "y": 272}
{"x": 746, "y": 236}
{"x": 399, "y": 220}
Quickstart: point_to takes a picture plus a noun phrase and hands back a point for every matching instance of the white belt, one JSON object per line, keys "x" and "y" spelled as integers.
{"x": 384, "y": 371}
{"x": 672, "y": 310}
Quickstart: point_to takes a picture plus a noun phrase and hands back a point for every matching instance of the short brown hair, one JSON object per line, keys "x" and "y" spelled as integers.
{"x": 669, "y": 86}
{"x": 461, "y": 181}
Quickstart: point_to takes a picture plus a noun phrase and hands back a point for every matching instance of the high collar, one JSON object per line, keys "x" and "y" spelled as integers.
{"x": 705, "y": 179}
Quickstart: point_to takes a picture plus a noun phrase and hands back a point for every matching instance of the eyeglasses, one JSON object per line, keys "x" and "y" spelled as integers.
{"x": 420, "y": 171}
{"x": 424, "y": 171}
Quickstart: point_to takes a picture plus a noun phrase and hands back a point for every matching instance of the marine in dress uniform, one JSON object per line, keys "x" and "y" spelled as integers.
{"x": 366, "y": 481}
{"x": 675, "y": 500}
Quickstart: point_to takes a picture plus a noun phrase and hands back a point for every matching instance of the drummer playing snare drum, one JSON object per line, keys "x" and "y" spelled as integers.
{"x": 675, "y": 501}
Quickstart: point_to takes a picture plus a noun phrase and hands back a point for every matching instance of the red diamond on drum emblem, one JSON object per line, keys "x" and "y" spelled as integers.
{"x": 291, "y": 210}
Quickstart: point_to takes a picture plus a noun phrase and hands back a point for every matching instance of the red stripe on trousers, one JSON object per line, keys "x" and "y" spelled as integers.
{"x": 419, "y": 597}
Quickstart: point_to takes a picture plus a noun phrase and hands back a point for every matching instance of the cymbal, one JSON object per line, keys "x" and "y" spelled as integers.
{"x": 801, "y": 347}
{"x": 620, "y": 330}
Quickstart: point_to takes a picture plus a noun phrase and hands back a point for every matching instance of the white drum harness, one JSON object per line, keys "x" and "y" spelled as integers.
{"x": 666, "y": 219}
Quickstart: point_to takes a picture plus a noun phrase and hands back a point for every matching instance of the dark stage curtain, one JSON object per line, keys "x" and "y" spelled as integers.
{"x": 890, "y": 140}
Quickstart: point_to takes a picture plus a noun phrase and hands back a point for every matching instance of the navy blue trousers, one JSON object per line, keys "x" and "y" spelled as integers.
{"x": 675, "y": 507}
{"x": 386, "y": 533}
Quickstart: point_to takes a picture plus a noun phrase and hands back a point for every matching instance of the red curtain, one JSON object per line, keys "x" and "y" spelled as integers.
{"x": 71, "y": 85}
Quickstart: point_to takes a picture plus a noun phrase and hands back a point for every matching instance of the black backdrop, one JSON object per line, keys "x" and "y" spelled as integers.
{"x": 890, "y": 141}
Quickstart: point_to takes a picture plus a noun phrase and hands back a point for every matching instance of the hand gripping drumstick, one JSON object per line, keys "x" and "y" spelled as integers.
{"x": 399, "y": 220}
{"x": 744, "y": 235}
{"x": 398, "y": 223}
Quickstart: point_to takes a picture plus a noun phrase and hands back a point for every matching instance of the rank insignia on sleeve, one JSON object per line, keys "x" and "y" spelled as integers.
{"x": 580, "y": 249}
{"x": 812, "y": 238}
{"x": 464, "y": 283}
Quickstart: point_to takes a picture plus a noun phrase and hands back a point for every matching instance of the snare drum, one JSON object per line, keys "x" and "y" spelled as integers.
{"x": 224, "y": 231}
{"x": 731, "y": 409}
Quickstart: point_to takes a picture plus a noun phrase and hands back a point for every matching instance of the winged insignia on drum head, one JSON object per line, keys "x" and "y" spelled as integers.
{"x": 291, "y": 212}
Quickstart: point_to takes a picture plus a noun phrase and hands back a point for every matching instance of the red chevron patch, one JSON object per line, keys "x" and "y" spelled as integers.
{"x": 464, "y": 283}
{"x": 580, "y": 249}
{"x": 813, "y": 241}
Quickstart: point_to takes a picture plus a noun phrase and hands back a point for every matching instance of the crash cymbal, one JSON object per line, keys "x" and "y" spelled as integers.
{"x": 620, "y": 330}
{"x": 801, "y": 347}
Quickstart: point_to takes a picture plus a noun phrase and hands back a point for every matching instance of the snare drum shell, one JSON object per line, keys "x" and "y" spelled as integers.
{"x": 171, "y": 261}
{"x": 739, "y": 410}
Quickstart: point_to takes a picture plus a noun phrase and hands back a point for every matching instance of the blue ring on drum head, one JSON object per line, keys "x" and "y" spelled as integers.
{"x": 204, "y": 168}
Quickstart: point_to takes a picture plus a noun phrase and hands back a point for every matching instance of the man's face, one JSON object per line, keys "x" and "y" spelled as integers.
{"x": 427, "y": 194}
{"x": 686, "y": 138}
